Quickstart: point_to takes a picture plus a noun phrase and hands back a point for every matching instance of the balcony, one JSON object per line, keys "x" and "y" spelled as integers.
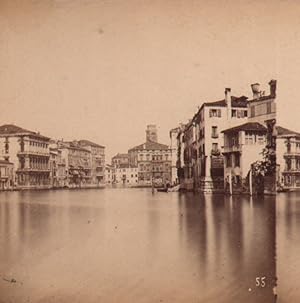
{"x": 34, "y": 170}
{"x": 33, "y": 153}
{"x": 233, "y": 148}
{"x": 292, "y": 154}
{"x": 215, "y": 152}
{"x": 157, "y": 160}
{"x": 292, "y": 171}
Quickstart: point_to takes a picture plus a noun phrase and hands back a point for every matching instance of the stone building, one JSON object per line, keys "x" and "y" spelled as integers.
{"x": 174, "y": 154}
{"x": 125, "y": 175}
{"x": 124, "y": 172}
{"x": 97, "y": 153}
{"x": 243, "y": 146}
{"x": 109, "y": 172}
{"x": 201, "y": 142}
{"x": 120, "y": 160}
{"x": 28, "y": 151}
{"x": 288, "y": 158}
{"x": 78, "y": 164}
{"x": 6, "y": 175}
{"x": 262, "y": 109}
{"x": 153, "y": 161}
{"x": 58, "y": 173}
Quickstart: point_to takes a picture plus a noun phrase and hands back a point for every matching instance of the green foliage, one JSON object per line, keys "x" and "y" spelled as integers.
{"x": 267, "y": 166}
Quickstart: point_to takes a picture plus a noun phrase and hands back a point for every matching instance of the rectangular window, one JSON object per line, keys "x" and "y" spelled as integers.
{"x": 214, "y": 132}
{"x": 215, "y": 113}
{"x": 212, "y": 112}
{"x": 269, "y": 108}
{"x": 252, "y": 109}
{"x": 237, "y": 160}
{"x": 249, "y": 138}
{"x": 228, "y": 160}
{"x": 233, "y": 113}
{"x": 245, "y": 113}
{"x": 260, "y": 139}
{"x": 215, "y": 147}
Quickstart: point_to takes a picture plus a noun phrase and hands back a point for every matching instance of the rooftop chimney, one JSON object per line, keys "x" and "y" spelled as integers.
{"x": 273, "y": 84}
{"x": 228, "y": 102}
{"x": 228, "y": 96}
{"x": 256, "y": 90}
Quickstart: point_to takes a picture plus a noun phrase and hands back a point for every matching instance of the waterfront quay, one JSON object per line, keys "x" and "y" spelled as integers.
{"x": 128, "y": 245}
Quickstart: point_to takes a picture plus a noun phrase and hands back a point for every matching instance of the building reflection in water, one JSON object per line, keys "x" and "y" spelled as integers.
{"x": 288, "y": 246}
{"x": 234, "y": 241}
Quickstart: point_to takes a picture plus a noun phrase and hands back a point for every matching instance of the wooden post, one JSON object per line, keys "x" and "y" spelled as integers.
{"x": 250, "y": 182}
{"x": 230, "y": 183}
{"x": 152, "y": 182}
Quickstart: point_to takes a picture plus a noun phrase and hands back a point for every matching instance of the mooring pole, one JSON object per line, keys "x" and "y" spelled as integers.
{"x": 250, "y": 182}
{"x": 230, "y": 183}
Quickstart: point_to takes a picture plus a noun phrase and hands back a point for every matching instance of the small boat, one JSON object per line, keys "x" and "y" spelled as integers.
{"x": 162, "y": 189}
{"x": 174, "y": 188}
{"x": 281, "y": 189}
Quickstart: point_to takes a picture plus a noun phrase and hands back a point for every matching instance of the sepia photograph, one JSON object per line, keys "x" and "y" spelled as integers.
{"x": 149, "y": 151}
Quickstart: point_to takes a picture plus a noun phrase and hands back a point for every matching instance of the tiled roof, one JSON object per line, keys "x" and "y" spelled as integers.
{"x": 263, "y": 98}
{"x": 249, "y": 126}
{"x": 11, "y": 129}
{"x": 150, "y": 145}
{"x": 123, "y": 165}
{"x": 281, "y": 131}
{"x": 71, "y": 145}
{"x": 235, "y": 102}
{"x": 118, "y": 155}
{"x": 89, "y": 143}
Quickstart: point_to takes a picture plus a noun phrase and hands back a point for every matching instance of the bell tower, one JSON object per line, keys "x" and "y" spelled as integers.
{"x": 151, "y": 133}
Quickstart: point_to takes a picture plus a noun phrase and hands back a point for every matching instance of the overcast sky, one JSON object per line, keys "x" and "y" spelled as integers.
{"x": 103, "y": 70}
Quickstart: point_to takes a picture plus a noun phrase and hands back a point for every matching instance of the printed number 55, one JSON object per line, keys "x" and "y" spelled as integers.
{"x": 260, "y": 281}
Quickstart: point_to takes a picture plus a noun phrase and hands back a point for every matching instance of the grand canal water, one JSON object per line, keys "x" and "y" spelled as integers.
{"x": 128, "y": 245}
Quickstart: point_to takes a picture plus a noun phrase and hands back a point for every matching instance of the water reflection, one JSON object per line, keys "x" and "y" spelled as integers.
{"x": 124, "y": 245}
{"x": 288, "y": 248}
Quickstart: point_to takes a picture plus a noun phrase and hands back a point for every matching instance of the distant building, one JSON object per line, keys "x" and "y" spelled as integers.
{"x": 78, "y": 164}
{"x": 288, "y": 158}
{"x": 97, "y": 153}
{"x": 120, "y": 160}
{"x": 109, "y": 173}
{"x": 124, "y": 173}
{"x": 243, "y": 146}
{"x": 58, "y": 172}
{"x": 127, "y": 176}
{"x": 28, "y": 151}
{"x": 151, "y": 133}
{"x": 6, "y": 175}
{"x": 153, "y": 161}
